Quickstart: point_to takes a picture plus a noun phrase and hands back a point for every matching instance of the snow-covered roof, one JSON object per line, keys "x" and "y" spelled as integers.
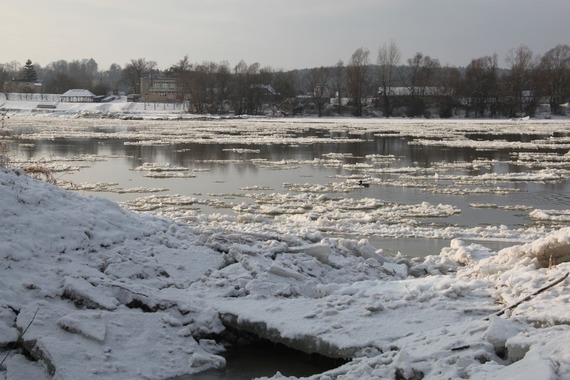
{"x": 78, "y": 92}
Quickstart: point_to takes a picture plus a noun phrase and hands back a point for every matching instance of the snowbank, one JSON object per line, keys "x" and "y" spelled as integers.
{"x": 95, "y": 292}
{"x": 94, "y": 284}
{"x": 50, "y": 105}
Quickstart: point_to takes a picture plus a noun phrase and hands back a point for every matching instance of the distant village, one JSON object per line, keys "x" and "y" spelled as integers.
{"x": 420, "y": 88}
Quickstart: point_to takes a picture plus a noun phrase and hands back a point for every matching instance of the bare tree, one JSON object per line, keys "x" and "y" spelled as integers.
{"x": 5, "y": 76}
{"x": 211, "y": 72}
{"x": 419, "y": 81}
{"x": 319, "y": 83}
{"x": 481, "y": 86}
{"x": 414, "y": 77}
{"x": 430, "y": 69}
{"x": 287, "y": 87}
{"x": 338, "y": 79}
{"x": 113, "y": 77}
{"x": 555, "y": 71}
{"x": 199, "y": 88}
{"x": 182, "y": 73}
{"x": 257, "y": 79}
{"x": 135, "y": 70}
{"x": 240, "y": 88}
{"x": 223, "y": 79}
{"x": 447, "y": 87}
{"x": 518, "y": 81}
{"x": 357, "y": 71}
{"x": 388, "y": 58}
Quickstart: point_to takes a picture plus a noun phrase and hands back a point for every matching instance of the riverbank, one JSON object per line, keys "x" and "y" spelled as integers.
{"x": 86, "y": 285}
{"x": 118, "y": 107}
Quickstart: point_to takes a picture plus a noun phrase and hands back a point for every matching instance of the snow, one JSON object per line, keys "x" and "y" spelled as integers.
{"x": 96, "y": 291}
{"x": 104, "y": 282}
{"x": 78, "y": 92}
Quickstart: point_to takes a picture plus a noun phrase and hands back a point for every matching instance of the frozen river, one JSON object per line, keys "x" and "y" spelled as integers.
{"x": 286, "y": 230}
{"x": 425, "y": 182}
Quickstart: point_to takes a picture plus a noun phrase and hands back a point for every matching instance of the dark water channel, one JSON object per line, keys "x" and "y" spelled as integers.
{"x": 264, "y": 359}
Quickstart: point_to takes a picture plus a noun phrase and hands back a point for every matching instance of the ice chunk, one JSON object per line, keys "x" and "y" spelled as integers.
{"x": 19, "y": 367}
{"x": 89, "y": 325}
{"x": 82, "y": 292}
{"x": 500, "y": 330}
{"x": 400, "y": 270}
{"x": 203, "y": 360}
{"x": 319, "y": 251}
{"x": 284, "y": 272}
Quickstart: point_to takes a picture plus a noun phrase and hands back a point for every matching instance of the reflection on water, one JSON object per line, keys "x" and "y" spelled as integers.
{"x": 229, "y": 168}
{"x": 412, "y": 247}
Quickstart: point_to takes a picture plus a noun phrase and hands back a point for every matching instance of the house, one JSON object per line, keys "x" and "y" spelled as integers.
{"x": 77, "y": 96}
{"x": 410, "y": 91}
{"x": 159, "y": 90}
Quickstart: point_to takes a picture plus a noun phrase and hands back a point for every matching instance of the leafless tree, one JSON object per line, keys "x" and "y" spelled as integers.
{"x": 555, "y": 72}
{"x": 357, "y": 71}
{"x": 480, "y": 87}
{"x": 182, "y": 73}
{"x": 519, "y": 79}
{"x": 448, "y": 84}
{"x": 240, "y": 88}
{"x": 135, "y": 70}
{"x": 337, "y": 83}
{"x": 199, "y": 89}
{"x": 113, "y": 77}
{"x": 286, "y": 84}
{"x": 223, "y": 79}
{"x": 5, "y": 75}
{"x": 388, "y": 59}
{"x": 319, "y": 87}
{"x": 249, "y": 86}
{"x": 422, "y": 70}
{"x": 210, "y": 70}
{"x": 414, "y": 78}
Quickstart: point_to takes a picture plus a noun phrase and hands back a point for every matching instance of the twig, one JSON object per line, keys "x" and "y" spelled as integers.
{"x": 19, "y": 338}
{"x": 501, "y": 312}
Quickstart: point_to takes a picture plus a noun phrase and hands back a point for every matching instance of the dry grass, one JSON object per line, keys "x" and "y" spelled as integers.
{"x": 5, "y": 147}
{"x": 39, "y": 171}
{"x": 4, "y": 151}
{"x": 36, "y": 171}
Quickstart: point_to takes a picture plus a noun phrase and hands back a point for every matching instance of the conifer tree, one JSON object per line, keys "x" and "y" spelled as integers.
{"x": 29, "y": 74}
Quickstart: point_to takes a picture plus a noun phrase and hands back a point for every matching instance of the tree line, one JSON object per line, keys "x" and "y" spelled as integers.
{"x": 384, "y": 86}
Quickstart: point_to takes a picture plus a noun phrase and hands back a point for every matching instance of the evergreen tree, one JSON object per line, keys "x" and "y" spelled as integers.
{"x": 29, "y": 74}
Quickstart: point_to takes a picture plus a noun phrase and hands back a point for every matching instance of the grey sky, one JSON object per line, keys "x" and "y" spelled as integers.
{"x": 283, "y": 34}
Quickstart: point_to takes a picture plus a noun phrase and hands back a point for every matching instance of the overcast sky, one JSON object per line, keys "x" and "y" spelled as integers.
{"x": 283, "y": 34}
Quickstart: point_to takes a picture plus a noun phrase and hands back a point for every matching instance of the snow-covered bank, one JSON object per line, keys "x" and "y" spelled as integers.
{"x": 96, "y": 292}
{"x": 120, "y": 108}
{"x": 83, "y": 272}
{"x": 50, "y": 105}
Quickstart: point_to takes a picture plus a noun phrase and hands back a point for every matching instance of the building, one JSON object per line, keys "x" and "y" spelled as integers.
{"x": 159, "y": 90}
{"x": 77, "y": 96}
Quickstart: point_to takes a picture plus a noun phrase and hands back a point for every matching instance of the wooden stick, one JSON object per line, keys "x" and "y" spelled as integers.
{"x": 501, "y": 312}
{"x": 19, "y": 338}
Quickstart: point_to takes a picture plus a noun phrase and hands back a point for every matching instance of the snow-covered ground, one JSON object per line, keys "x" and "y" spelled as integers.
{"x": 49, "y": 104}
{"x": 94, "y": 291}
